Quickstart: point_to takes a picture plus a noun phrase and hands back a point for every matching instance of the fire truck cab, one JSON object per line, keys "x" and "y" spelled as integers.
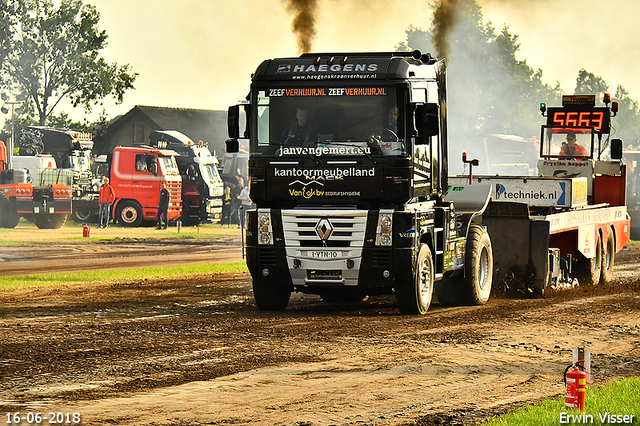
{"x": 136, "y": 176}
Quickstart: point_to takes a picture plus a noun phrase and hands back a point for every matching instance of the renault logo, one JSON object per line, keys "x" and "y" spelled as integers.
{"x": 324, "y": 229}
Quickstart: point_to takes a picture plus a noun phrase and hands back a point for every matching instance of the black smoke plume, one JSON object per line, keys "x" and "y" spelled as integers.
{"x": 444, "y": 21}
{"x": 303, "y": 23}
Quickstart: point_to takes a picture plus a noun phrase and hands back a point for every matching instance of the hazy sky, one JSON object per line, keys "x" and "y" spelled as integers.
{"x": 201, "y": 53}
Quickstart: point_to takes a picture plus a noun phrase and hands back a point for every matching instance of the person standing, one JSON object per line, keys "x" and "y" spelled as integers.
{"x": 226, "y": 207}
{"x": 246, "y": 203}
{"x": 163, "y": 207}
{"x": 106, "y": 198}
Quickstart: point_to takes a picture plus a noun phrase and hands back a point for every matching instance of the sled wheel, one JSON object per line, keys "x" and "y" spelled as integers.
{"x": 589, "y": 271}
{"x": 608, "y": 259}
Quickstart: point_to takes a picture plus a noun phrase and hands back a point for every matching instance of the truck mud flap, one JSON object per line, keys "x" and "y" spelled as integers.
{"x": 470, "y": 201}
{"x": 520, "y": 247}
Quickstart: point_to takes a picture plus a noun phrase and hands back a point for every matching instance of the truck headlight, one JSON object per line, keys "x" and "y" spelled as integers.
{"x": 383, "y": 230}
{"x": 265, "y": 230}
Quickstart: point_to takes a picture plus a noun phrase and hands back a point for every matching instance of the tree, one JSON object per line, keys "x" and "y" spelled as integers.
{"x": 56, "y": 56}
{"x": 6, "y": 13}
{"x": 627, "y": 121}
{"x": 588, "y": 83}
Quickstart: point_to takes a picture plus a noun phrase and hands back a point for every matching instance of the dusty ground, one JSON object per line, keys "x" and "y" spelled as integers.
{"x": 197, "y": 351}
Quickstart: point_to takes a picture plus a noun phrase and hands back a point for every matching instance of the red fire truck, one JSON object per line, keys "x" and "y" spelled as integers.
{"x": 136, "y": 175}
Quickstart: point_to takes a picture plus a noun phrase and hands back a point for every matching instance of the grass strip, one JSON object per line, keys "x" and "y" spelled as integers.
{"x": 616, "y": 399}
{"x": 17, "y": 282}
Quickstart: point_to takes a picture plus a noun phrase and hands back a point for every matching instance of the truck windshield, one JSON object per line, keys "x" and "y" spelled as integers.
{"x": 169, "y": 165}
{"x": 334, "y": 121}
{"x": 81, "y": 162}
{"x": 209, "y": 173}
{"x": 574, "y": 142}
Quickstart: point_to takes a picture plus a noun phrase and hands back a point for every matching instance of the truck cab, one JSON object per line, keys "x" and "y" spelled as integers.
{"x": 202, "y": 187}
{"x": 347, "y": 168}
{"x": 136, "y": 176}
{"x": 71, "y": 150}
{"x": 32, "y": 187}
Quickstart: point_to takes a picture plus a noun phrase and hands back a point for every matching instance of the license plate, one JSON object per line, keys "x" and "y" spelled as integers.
{"x": 325, "y": 274}
{"x": 324, "y": 254}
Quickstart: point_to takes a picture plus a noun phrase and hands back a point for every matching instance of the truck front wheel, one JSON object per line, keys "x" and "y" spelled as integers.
{"x": 129, "y": 213}
{"x": 83, "y": 215}
{"x": 270, "y": 296}
{"x": 414, "y": 298}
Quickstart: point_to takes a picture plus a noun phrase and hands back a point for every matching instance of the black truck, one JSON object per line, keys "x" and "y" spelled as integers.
{"x": 348, "y": 171}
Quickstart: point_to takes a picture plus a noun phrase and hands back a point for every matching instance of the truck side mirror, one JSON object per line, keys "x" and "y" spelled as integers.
{"x": 427, "y": 122}
{"x": 233, "y": 122}
{"x": 616, "y": 149}
{"x": 233, "y": 145}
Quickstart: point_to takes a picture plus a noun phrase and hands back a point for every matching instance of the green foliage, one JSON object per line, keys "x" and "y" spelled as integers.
{"x": 619, "y": 398}
{"x": 55, "y": 55}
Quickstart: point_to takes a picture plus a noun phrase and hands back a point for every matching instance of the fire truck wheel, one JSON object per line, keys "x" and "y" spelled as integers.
{"x": 269, "y": 296}
{"x": 414, "y": 298}
{"x": 129, "y": 213}
{"x": 8, "y": 216}
{"x": 589, "y": 271}
{"x": 478, "y": 276}
{"x": 608, "y": 259}
{"x": 49, "y": 221}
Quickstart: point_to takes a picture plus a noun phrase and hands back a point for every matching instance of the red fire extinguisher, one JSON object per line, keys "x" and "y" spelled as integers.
{"x": 85, "y": 230}
{"x": 576, "y": 383}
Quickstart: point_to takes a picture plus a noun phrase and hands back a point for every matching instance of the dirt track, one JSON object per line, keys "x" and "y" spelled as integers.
{"x": 197, "y": 351}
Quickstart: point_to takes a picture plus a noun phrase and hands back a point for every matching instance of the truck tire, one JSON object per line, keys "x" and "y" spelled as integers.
{"x": 49, "y": 221}
{"x": 414, "y": 298}
{"x": 589, "y": 271}
{"x": 473, "y": 287}
{"x": 83, "y": 215}
{"x": 475, "y": 284}
{"x": 608, "y": 259}
{"x": 8, "y": 216}
{"x": 269, "y": 296}
{"x": 129, "y": 213}
{"x": 185, "y": 216}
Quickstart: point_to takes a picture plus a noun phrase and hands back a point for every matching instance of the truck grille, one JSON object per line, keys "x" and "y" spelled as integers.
{"x": 347, "y": 228}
